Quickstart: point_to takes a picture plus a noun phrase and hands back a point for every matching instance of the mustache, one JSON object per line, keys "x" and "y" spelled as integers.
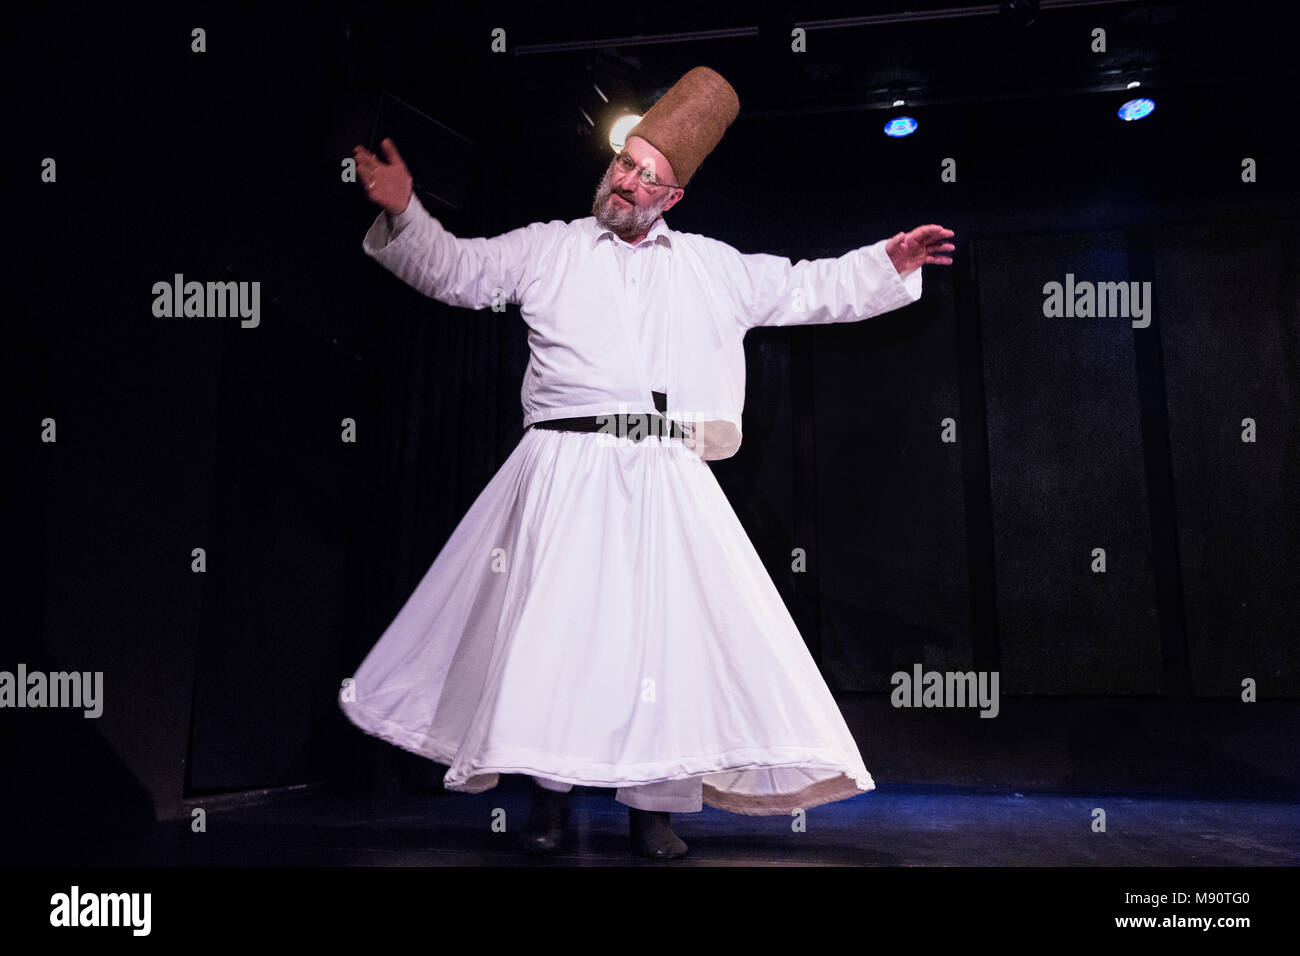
{"x": 607, "y": 189}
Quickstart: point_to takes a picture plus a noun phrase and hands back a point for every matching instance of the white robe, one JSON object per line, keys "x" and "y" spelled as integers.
{"x": 599, "y": 616}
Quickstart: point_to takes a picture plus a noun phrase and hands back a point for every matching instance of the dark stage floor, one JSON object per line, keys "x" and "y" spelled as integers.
{"x": 894, "y": 826}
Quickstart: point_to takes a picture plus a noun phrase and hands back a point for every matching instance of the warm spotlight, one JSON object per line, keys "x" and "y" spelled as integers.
{"x": 619, "y": 131}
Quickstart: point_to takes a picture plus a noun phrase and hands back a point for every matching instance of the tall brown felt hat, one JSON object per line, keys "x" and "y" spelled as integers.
{"x": 688, "y": 121}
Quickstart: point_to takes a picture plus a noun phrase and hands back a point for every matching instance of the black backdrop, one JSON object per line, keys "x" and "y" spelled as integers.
{"x": 1072, "y": 433}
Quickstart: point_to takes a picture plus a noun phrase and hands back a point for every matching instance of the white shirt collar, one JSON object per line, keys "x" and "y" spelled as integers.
{"x": 659, "y": 232}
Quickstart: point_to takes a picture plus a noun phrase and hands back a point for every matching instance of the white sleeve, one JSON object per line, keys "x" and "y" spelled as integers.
{"x": 403, "y": 219}
{"x": 856, "y": 286}
{"x": 471, "y": 273}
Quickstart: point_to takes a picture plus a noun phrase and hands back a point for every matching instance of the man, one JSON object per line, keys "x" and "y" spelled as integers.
{"x": 599, "y": 616}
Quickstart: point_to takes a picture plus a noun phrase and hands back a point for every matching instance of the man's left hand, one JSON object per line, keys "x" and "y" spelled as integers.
{"x": 921, "y": 246}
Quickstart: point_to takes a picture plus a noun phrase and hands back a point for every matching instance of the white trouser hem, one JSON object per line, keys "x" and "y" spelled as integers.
{"x": 664, "y": 796}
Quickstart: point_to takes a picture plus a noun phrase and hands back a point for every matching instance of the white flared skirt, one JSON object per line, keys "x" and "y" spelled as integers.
{"x": 599, "y": 617}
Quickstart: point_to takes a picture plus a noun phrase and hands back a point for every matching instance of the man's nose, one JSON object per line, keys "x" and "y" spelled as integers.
{"x": 626, "y": 182}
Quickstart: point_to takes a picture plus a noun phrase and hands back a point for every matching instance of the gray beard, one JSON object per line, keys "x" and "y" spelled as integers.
{"x": 626, "y": 222}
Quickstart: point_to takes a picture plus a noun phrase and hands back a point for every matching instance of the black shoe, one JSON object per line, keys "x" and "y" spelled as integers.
{"x": 548, "y": 822}
{"x": 652, "y": 837}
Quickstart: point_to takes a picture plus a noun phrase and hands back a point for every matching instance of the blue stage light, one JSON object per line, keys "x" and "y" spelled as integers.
{"x": 1136, "y": 109}
{"x": 901, "y": 126}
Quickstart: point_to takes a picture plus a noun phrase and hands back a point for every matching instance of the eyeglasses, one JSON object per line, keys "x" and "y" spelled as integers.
{"x": 627, "y": 164}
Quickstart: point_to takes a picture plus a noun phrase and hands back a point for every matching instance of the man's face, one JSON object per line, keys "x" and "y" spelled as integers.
{"x": 623, "y": 204}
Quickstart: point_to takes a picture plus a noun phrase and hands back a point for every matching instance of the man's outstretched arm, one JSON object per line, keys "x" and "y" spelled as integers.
{"x": 862, "y": 283}
{"x": 413, "y": 245}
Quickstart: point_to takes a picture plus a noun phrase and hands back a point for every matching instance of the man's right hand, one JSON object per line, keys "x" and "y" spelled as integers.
{"x": 388, "y": 184}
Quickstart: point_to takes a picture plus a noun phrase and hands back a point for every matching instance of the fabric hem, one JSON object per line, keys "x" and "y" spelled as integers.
{"x": 487, "y": 777}
{"x": 772, "y": 804}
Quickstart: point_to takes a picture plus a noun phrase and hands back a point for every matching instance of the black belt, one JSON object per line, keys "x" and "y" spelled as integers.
{"x": 634, "y": 425}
